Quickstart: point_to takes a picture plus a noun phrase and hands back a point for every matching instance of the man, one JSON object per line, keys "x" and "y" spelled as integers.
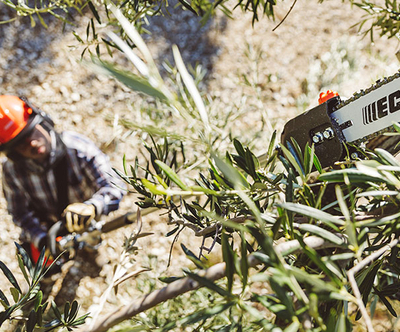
{"x": 49, "y": 176}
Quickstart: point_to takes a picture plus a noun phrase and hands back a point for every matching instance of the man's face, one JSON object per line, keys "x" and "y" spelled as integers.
{"x": 36, "y": 146}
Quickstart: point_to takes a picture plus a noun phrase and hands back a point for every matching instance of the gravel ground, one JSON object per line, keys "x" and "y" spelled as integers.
{"x": 315, "y": 44}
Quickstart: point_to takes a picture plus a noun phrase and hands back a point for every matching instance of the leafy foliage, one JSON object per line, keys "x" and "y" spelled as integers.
{"x": 237, "y": 205}
{"x": 383, "y": 18}
{"x": 293, "y": 235}
{"x": 32, "y": 300}
{"x": 301, "y": 245}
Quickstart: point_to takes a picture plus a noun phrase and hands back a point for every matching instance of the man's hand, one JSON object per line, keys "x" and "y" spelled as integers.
{"x": 77, "y": 216}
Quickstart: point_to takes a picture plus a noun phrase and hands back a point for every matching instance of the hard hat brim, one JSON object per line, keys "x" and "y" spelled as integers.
{"x": 34, "y": 120}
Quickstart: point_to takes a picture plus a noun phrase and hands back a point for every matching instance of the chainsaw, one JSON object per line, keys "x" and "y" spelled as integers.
{"x": 340, "y": 128}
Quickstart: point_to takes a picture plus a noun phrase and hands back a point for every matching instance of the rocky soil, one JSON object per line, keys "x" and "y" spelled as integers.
{"x": 315, "y": 48}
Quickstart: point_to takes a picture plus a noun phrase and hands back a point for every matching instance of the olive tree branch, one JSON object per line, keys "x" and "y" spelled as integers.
{"x": 187, "y": 284}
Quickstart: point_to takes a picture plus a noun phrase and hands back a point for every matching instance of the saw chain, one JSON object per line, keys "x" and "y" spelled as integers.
{"x": 338, "y": 128}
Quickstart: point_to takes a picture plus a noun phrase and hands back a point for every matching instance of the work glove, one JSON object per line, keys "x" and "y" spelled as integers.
{"x": 78, "y": 216}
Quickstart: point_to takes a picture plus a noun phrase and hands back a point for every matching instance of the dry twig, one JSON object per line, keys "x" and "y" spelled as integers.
{"x": 353, "y": 282}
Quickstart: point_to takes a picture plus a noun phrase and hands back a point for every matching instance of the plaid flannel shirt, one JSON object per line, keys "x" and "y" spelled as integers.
{"x": 31, "y": 193}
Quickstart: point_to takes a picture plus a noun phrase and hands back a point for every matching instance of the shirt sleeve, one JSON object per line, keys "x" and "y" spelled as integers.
{"x": 95, "y": 165}
{"x": 18, "y": 207}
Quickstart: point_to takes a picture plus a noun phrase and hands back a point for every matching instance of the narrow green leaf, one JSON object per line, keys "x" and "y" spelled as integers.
{"x": 173, "y": 231}
{"x": 132, "y": 81}
{"x": 30, "y": 324}
{"x": 272, "y": 144}
{"x": 266, "y": 243}
{"x": 15, "y": 294}
{"x": 316, "y": 282}
{"x": 262, "y": 257}
{"x": 273, "y": 304}
{"x": 122, "y": 175}
{"x": 244, "y": 266}
{"x": 10, "y": 276}
{"x": 67, "y": 306}
{"x": 312, "y": 213}
{"x": 192, "y": 89}
{"x": 366, "y": 279}
{"x": 6, "y": 314}
{"x": 308, "y": 158}
{"x": 289, "y": 156}
{"x": 228, "y": 256}
{"x": 323, "y": 233}
{"x": 56, "y": 311}
{"x": 53, "y": 324}
{"x": 168, "y": 280}
{"x": 33, "y": 22}
{"x": 40, "y": 265}
{"x": 327, "y": 267}
{"x": 32, "y": 292}
{"x": 39, "y": 316}
{"x": 80, "y": 320}
{"x": 218, "y": 181}
{"x": 4, "y": 299}
{"x": 171, "y": 175}
{"x": 341, "y": 323}
{"x": 354, "y": 176}
{"x": 387, "y": 157}
{"x": 22, "y": 268}
{"x": 252, "y": 164}
{"x": 25, "y": 258}
{"x": 188, "y": 6}
{"x": 42, "y": 22}
{"x": 257, "y": 315}
{"x": 388, "y": 305}
{"x": 73, "y": 312}
{"x": 204, "y": 314}
{"x": 77, "y": 37}
{"x": 156, "y": 190}
{"x": 189, "y": 254}
{"x": 396, "y": 126}
{"x": 317, "y": 163}
{"x": 94, "y": 11}
{"x": 209, "y": 284}
{"x": 378, "y": 193}
{"x": 296, "y": 150}
{"x": 239, "y": 147}
{"x": 231, "y": 173}
{"x": 38, "y": 300}
{"x": 350, "y": 228}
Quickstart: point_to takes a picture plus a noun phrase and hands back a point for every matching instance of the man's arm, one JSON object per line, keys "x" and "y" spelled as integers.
{"x": 95, "y": 165}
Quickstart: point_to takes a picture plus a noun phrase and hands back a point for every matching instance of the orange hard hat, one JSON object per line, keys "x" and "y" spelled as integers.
{"x": 324, "y": 96}
{"x": 15, "y": 115}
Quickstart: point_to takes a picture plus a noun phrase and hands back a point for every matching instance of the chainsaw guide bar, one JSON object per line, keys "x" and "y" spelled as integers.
{"x": 360, "y": 121}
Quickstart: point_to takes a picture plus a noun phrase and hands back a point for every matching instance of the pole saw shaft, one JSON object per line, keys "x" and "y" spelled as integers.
{"x": 124, "y": 220}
